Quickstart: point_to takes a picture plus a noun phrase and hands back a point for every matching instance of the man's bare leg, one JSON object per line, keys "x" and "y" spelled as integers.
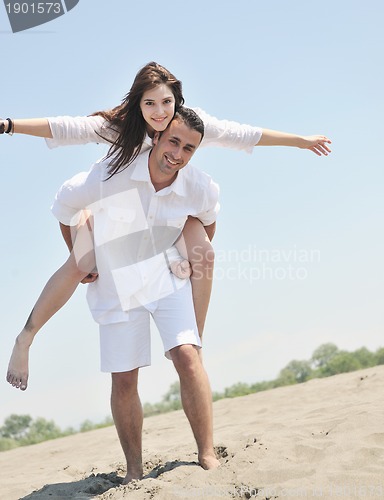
{"x": 197, "y": 401}
{"x": 127, "y": 414}
{"x": 59, "y": 288}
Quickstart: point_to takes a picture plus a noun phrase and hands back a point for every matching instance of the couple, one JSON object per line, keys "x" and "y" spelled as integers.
{"x": 137, "y": 215}
{"x": 130, "y": 128}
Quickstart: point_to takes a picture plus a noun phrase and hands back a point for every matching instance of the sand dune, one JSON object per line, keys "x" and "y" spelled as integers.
{"x": 322, "y": 439}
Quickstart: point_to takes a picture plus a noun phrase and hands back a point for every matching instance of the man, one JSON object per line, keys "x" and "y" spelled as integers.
{"x": 137, "y": 215}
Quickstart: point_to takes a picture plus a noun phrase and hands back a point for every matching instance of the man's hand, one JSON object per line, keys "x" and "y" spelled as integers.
{"x": 90, "y": 278}
{"x": 317, "y": 144}
{"x": 181, "y": 268}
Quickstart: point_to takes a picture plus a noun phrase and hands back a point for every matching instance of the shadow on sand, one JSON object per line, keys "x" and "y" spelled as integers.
{"x": 98, "y": 484}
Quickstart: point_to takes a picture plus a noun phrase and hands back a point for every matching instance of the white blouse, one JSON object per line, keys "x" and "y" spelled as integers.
{"x": 68, "y": 130}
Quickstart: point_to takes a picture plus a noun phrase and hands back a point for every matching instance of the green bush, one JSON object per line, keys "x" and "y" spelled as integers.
{"x": 8, "y": 444}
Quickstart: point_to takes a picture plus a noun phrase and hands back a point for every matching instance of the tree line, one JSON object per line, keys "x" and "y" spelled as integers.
{"x": 326, "y": 360}
{"x": 22, "y": 430}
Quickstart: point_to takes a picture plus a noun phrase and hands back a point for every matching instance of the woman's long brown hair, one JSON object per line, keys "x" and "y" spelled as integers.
{"x": 127, "y": 121}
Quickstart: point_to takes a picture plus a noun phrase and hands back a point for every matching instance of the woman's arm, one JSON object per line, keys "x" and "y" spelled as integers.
{"x": 38, "y": 127}
{"x": 64, "y": 130}
{"x": 230, "y": 134}
{"x": 315, "y": 143}
{"x": 73, "y": 130}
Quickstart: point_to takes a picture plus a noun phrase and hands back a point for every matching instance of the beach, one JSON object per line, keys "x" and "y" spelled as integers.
{"x": 321, "y": 439}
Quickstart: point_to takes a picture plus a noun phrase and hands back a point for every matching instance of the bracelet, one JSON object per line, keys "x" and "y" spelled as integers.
{"x": 10, "y": 127}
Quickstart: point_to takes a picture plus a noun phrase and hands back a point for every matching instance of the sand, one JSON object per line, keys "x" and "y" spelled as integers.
{"x": 322, "y": 439}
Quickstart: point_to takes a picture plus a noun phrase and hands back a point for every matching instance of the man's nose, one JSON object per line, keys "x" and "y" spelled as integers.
{"x": 176, "y": 152}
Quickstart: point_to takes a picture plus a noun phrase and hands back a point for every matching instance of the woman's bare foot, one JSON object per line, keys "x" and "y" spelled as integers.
{"x": 17, "y": 374}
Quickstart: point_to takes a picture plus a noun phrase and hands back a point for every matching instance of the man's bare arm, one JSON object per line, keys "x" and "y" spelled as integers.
{"x": 67, "y": 235}
{"x": 210, "y": 230}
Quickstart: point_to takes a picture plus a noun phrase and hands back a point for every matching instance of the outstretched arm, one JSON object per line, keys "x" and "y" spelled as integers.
{"x": 39, "y": 127}
{"x": 63, "y": 130}
{"x": 230, "y": 134}
{"x": 316, "y": 143}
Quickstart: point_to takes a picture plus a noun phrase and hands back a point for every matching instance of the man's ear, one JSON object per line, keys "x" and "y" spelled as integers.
{"x": 155, "y": 139}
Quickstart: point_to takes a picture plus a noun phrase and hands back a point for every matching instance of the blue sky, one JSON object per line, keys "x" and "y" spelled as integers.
{"x": 299, "y": 242}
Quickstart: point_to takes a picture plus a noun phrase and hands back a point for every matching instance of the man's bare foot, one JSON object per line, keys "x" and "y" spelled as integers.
{"x": 133, "y": 475}
{"x": 17, "y": 374}
{"x": 209, "y": 462}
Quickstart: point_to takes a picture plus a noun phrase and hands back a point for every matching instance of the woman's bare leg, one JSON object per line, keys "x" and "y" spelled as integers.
{"x": 195, "y": 246}
{"x": 59, "y": 288}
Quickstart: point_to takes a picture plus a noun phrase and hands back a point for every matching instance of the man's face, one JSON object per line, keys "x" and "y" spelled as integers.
{"x": 173, "y": 150}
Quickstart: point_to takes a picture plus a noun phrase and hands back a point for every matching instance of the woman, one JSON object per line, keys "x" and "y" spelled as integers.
{"x": 147, "y": 108}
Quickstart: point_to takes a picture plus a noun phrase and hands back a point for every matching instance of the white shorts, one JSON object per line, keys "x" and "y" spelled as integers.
{"x": 126, "y": 346}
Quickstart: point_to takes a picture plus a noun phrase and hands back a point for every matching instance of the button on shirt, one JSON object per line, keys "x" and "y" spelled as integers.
{"x": 135, "y": 229}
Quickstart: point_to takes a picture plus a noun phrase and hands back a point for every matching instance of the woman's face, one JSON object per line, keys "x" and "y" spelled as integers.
{"x": 158, "y": 107}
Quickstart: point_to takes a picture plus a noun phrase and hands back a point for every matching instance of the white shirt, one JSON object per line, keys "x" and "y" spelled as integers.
{"x": 67, "y": 130}
{"x": 135, "y": 228}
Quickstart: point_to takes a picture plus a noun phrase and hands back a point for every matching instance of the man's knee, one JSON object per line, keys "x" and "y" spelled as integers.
{"x": 186, "y": 359}
{"x": 125, "y": 382}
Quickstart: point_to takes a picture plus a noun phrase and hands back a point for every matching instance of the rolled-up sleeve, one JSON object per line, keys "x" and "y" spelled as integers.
{"x": 228, "y": 134}
{"x": 72, "y": 130}
{"x": 71, "y": 199}
{"x": 208, "y": 214}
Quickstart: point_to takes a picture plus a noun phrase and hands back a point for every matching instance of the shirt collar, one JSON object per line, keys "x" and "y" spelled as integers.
{"x": 140, "y": 172}
{"x": 178, "y": 185}
{"x": 139, "y": 168}
{"x": 147, "y": 142}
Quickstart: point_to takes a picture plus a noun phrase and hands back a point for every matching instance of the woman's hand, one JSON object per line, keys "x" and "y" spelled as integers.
{"x": 317, "y": 144}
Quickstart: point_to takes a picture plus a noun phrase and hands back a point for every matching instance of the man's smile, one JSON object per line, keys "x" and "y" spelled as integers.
{"x": 172, "y": 162}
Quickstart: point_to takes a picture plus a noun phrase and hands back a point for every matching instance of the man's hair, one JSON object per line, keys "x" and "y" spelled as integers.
{"x": 191, "y": 119}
